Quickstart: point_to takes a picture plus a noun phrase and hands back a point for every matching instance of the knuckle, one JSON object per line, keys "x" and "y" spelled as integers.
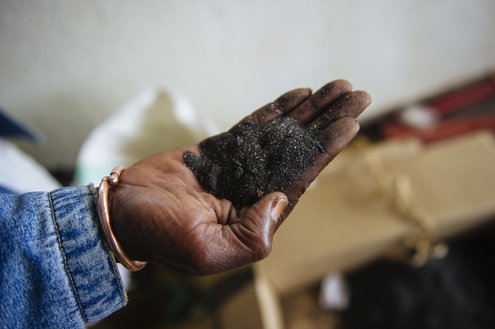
{"x": 261, "y": 248}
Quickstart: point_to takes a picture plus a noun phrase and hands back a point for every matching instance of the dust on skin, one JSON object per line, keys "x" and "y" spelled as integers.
{"x": 252, "y": 160}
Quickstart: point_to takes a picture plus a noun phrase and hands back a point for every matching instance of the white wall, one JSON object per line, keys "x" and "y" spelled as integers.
{"x": 65, "y": 65}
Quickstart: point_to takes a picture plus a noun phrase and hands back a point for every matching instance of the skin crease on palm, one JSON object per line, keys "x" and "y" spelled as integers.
{"x": 161, "y": 214}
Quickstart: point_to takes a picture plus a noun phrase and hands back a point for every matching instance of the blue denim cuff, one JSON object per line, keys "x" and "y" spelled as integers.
{"x": 90, "y": 266}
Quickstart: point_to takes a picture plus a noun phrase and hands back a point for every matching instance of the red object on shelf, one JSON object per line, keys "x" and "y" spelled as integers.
{"x": 462, "y": 97}
{"x": 454, "y": 112}
{"x": 441, "y": 130}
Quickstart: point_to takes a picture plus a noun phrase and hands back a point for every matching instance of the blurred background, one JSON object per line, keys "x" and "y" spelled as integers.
{"x": 65, "y": 66}
{"x": 81, "y": 75}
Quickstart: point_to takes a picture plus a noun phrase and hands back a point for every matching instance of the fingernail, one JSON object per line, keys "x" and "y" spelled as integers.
{"x": 278, "y": 205}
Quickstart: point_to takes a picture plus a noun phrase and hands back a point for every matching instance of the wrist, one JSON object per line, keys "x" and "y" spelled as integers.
{"x": 105, "y": 200}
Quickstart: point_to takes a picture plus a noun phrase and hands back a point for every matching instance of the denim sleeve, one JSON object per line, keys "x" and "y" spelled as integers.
{"x": 55, "y": 270}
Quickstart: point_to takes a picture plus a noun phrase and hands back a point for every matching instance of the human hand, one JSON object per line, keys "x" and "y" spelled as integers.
{"x": 162, "y": 214}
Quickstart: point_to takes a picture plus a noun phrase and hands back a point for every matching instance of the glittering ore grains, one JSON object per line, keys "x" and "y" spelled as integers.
{"x": 250, "y": 161}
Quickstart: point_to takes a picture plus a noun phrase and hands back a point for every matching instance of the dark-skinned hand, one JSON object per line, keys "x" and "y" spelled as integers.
{"x": 161, "y": 214}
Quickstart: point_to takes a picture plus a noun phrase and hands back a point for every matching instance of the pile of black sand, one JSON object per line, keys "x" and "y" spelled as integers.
{"x": 250, "y": 161}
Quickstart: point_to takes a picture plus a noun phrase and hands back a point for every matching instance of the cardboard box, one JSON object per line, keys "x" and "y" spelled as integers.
{"x": 346, "y": 220}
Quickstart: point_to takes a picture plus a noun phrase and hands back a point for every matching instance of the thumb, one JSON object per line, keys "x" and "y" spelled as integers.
{"x": 266, "y": 212}
{"x": 259, "y": 223}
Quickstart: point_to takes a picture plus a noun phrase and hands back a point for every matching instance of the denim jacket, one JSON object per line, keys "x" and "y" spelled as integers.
{"x": 55, "y": 269}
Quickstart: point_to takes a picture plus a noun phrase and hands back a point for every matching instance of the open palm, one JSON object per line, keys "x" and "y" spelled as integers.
{"x": 161, "y": 213}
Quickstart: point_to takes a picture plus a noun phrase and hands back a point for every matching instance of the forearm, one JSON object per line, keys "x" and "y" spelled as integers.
{"x": 55, "y": 269}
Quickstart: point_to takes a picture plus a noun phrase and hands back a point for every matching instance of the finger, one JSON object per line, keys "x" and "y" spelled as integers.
{"x": 248, "y": 239}
{"x": 336, "y": 136}
{"x": 257, "y": 226}
{"x": 334, "y": 139}
{"x": 284, "y": 104}
{"x": 320, "y": 100}
{"x": 349, "y": 105}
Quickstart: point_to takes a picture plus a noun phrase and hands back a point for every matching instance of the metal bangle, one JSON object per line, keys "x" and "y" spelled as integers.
{"x": 104, "y": 212}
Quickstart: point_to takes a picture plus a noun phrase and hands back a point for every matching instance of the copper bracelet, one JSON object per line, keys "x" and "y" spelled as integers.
{"x": 104, "y": 211}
